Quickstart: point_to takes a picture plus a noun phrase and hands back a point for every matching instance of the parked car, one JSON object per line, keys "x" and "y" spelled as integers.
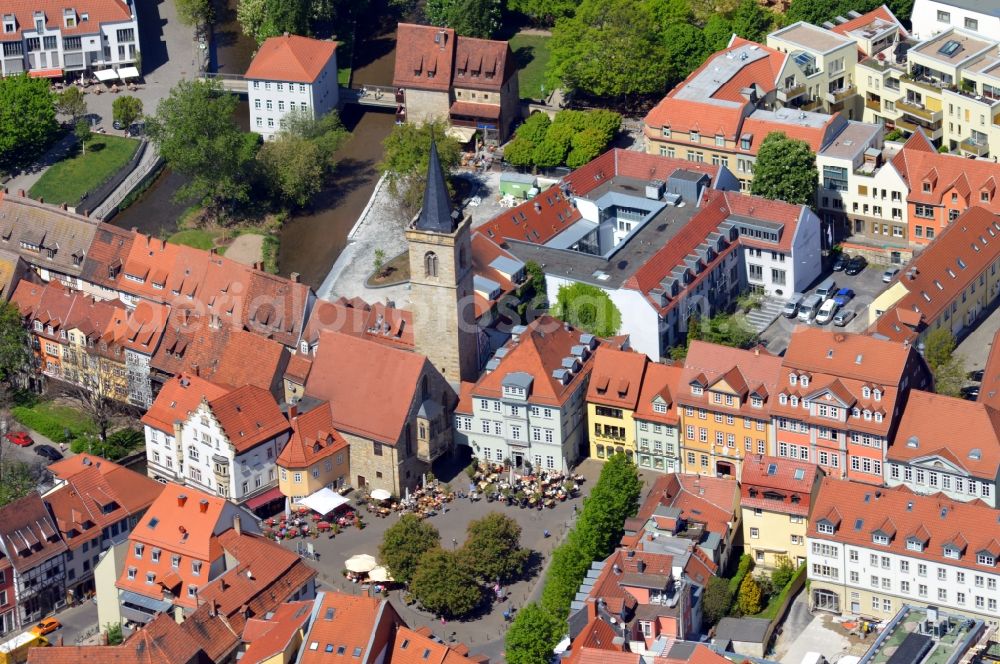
{"x": 856, "y": 265}
{"x": 49, "y": 452}
{"x": 826, "y": 312}
{"x": 809, "y": 307}
{"x": 20, "y": 438}
{"x": 977, "y": 375}
{"x": 46, "y": 626}
{"x": 841, "y": 263}
{"x": 971, "y": 392}
{"x": 843, "y": 317}
{"x": 826, "y": 289}
{"x": 888, "y": 275}
{"x": 792, "y": 305}
{"x": 843, "y": 296}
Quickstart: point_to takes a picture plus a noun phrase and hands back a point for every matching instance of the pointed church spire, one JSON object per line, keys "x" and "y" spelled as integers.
{"x": 435, "y": 215}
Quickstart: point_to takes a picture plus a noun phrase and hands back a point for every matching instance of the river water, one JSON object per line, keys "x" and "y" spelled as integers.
{"x": 312, "y": 240}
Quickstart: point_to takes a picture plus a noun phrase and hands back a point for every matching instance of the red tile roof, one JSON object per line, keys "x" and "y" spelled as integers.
{"x": 619, "y": 569}
{"x": 539, "y": 351}
{"x": 424, "y": 57}
{"x": 780, "y": 476}
{"x": 177, "y": 399}
{"x": 371, "y": 387}
{"x": 701, "y": 499}
{"x": 616, "y": 377}
{"x": 377, "y": 322}
{"x": 482, "y": 64}
{"x": 248, "y": 415}
{"x": 313, "y": 438}
{"x": 746, "y": 372}
{"x": 107, "y": 255}
{"x": 298, "y": 368}
{"x": 291, "y": 58}
{"x": 160, "y": 641}
{"x": 268, "y": 637}
{"x": 343, "y": 620}
{"x": 919, "y": 164}
{"x": 416, "y": 647}
{"x": 935, "y": 278}
{"x": 29, "y": 535}
{"x": 662, "y": 381}
{"x": 475, "y": 110}
{"x": 882, "y": 12}
{"x": 99, "y": 12}
{"x": 857, "y": 510}
{"x": 938, "y": 425}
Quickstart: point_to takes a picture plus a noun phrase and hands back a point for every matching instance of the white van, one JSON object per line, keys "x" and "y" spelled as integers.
{"x": 809, "y": 307}
{"x": 827, "y": 311}
{"x": 828, "y": 288}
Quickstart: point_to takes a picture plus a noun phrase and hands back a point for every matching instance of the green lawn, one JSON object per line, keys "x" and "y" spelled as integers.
{"x": 68, "y": 180}
{"x": 531, "y": 52}
{"x": 53, "y": 420}
{"x": 196, "y": 237}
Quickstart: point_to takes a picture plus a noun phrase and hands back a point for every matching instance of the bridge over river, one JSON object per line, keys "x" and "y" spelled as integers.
{"x": 378, "y": 96}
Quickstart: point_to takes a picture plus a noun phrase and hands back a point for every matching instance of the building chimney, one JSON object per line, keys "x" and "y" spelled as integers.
{"x": 641, "y": 566}
{"x": 258, "y": 266}
{"x": 293, "y": 412}
{"x": 202, "y": 505}
{"x": 181, "y": 499}
{"x": 195, "y": 369}
{"x": 295, "y": 277}
{"x": 238, "y": 527}
{"x": 20, "y": 192}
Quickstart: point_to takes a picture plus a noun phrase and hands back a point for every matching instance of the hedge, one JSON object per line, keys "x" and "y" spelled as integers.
{"x": 746, "y": 564}
{"x": 775, "y": 602}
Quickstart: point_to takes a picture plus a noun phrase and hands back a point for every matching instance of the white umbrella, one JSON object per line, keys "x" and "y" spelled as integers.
{"x": 380, "y": 495}
{"x": 379, "y": 575}
{"x": 361, "y": 563}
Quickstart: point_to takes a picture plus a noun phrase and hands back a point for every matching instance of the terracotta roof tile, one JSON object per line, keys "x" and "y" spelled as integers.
{"x": 475, "y": 110}
{"x": 291, "y": 58}
{"x": 661, "y": 381}
{"x": 707, "y": 363}
{"x": 313, "y": 438}
{"x": 616, "y": 377}
{"x": 107, "y": 255}
{"x": 882, "y": 12}
{"x": 861, "y": 510}
{"x": 417, "y": 647}
{"x": 482, "y": 64}
{"x": 425, "y": 55}
{"x": 787, "y": 477}
{"x": 298, "y": 367}
{"x": 29, "y": 535}
{"x": 177, "y": 399}
{"x": 248, "y": 415}
{"x": 343, "y": 620}
{"x": 377, "y": 322}
{"x": 160, "y": 641}
{"x": 267, "y": 637}
{"x": 99, "y": 12}
{"x": 715, "y": 498}
{"x": 918, "y": 165}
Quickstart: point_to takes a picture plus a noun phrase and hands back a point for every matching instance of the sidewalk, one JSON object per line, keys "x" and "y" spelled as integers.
{"x": 27, "y": 178}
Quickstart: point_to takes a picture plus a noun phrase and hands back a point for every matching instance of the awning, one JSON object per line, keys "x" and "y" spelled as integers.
{"x": 45, "y": 73}
{"x": 264, "y": 498}
{"x": 324, "y": 501}
{"x": 461, "y": 134}
{"x": 142, "y": 601}
{"x": 470, "y": 109}
{"x": 106, "y": 74}
{"x": 128, "y": 72}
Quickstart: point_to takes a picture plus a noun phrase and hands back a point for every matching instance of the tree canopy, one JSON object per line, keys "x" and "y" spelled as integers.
{"x": 27, "y": 119}
{"x": 126, "y": 109}
{"x": 444, "y": 585}
{"x": 194, "y": 12}
{"x": 14, "y": 341}
{"x": 573, "y": 138}
{"x": 197, "y": 135}
{"x": 529, "y": 639}
{"x": 405, "y": 543}
{"x": 543, "y": 12}
{"x": 785, "y": 170}
{"x": 589, "y": 308}
{"x": 404, "y": 160}
{"x": 947, "y": 367}
{"x": 469, "y": 18}
{"x": 72, "y": 102}
{"x": 296, "y": 162}
{"x": 492, "y": 550}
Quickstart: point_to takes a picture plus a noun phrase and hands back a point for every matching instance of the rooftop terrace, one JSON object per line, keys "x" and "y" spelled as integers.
{"x": 914, "y": 638}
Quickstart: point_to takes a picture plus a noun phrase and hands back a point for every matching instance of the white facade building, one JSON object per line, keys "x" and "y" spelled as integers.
{"x": 52, "y": 39}
{"x": 291, "y": 74}
{"x": 930, "y": 17}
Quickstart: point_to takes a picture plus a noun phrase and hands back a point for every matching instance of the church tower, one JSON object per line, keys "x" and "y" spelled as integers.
{"x": 441, "y": 293}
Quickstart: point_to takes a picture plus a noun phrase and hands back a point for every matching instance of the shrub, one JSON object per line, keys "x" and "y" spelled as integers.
{"x": 746, "y": 564}
{"x": 751, "y": 596}
{"x": 717, "y": 600}
{"x": 783, "y": 573}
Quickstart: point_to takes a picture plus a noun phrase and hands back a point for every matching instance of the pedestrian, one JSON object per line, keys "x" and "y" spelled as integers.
{"x": 443, "y": 621}
{"x": 454, "y": 543}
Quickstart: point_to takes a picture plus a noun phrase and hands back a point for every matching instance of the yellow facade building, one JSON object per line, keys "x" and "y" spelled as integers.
{"x": 723, "y": 405}
{"x": 316, "y": 455}
{"x": 612, "y": 397}
{"x": 775, "y": 495}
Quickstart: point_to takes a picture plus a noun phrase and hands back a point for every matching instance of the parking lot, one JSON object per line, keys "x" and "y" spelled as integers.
{"x": 867, "y": 285}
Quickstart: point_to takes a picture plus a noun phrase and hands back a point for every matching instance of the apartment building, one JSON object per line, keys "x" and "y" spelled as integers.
{"x": 931, "y": 17}
{"x": 612, "y": 399}
{"x": 776, "y": 495}
{"x": 530, "y": 406}
{"x": 52, "y": 39}
{"x": 946, "y": 446}
{"x": 950, "y": 285}
{"x": 819, "y": 72}
{"x": 724, "y": 401}
{"x": 723, "y": 111}
{"x": 361, "y": 624}
{"x": 839, "y": 400}
{"x": 291, "y": 74}
{"x": 96, "y": 505}
{"x": 30, "y": 541}
{"x": 872, "y": 550}
{"x": 8, "y": 601}
{"x": 469, "y": 82}
{"x": 316, "y": 455}
{"x": 657, "y": 420}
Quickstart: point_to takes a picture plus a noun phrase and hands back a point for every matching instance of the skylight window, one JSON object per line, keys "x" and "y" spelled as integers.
{"x": 950, "y": 48}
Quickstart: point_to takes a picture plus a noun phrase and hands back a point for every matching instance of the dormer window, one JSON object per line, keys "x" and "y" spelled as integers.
{"x": 824, "y": 527}
{"x": 986, "y": 559}
{"x": 69, "y": 18}
{"x": 877, "y": 395}
{"x": 793, "y": 379}
{"x": 782, "y": 399}
{"x": 304, "y": 347}
{"x": 666, "y": 131}
{"x": 795, "y": 401}
{"x": 927, "y": 187}
{"x": 856, "y": 412}
{"x": 694, "y": 136}
{"x": 9, "y": 24}
{"x": 951, "y": 552}
{"x": 38, "y": 326}
{"x": 868, "y": 415}
{"x": 804, "y": 381}
{"x": 879, "y": 538}
{"x": 756, "y": 402}
{"x": 914, "y": 545}
{"x": 878, "y": 417}
{"x": 697, "y": 391}
{"x": 866, "y": 392}
{"x": 984, "y": 196}
{"x": 659, "y": 407}
{"x": 138, "y": 550}
{"x": 40, "y": 21}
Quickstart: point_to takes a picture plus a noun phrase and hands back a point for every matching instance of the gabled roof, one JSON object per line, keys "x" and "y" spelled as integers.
{"x": 268, "y": 637}
{"x": 425, "y": 55}
{"x": 370, "y": 386}
{"x": 313, "y": 438}
{"x": 617, "y": 377}
{"x": 626, "y": 569}
{"x": 107, "y": 255}
{"x": 248, "y": 415}
{"x": 344, "y": 620}
{"x": 99, "y": 12}
{"x": 33, "y": 229}
{"x": 177, "y": 399}
{"x": 708, "y": 500}
{"x": 376, "y": 322}
{"x": 870, "y": 19}
{"x": 483, "y": 64}
{"x": 851, "y": 356}
{"x": 757, "y": 370}
{"x": 183, "y": 520}
{"x": 291, "y": 58}
{"x": 160, "y": 641}
{"x": 934, "y": 424}
{"x": 660, "y": 383}
{"x": 918, "y": 162}
{"x": 419, "y": 647}
{"x": 28, "y": 534}
{"x": 786, "y": 477}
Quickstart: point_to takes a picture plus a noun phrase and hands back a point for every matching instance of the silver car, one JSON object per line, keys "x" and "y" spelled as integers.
{"x": 843, "y": 317}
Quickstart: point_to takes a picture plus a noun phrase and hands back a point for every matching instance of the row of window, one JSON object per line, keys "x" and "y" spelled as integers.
{"x": 943, "y": 481}
{"x": 269, "y": 105}
{"x": 280, "y": 87}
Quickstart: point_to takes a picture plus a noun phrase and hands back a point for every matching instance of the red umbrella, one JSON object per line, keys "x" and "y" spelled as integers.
{"x": 316, "y": 517}
{"x": 323, "y": 525}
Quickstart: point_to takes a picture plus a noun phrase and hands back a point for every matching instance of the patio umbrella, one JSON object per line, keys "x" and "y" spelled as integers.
{"x": 360, "y": 563}
{"x": 381, "y": 495}
{"x": 379, "y": 575}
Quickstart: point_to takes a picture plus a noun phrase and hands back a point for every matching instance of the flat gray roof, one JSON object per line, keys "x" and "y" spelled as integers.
{"x": 522, "y": 178}
{"x": 851, "y": 142}
{"x": 968, "y": 45}
{"x": 792, "y": 116}
{"x": 811, "y": 38}
{"x": 719, "y": 71}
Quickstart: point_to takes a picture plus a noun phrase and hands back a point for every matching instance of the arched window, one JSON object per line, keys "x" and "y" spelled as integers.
{"x": 430, "y": 264}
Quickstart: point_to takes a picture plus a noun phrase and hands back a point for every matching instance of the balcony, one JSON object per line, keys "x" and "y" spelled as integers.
{"x": 812, "y": 105}
{"x": 925, "y": 83}
{"x": 974, "y": 146}
{"x": 874, "y": 104}
{"x": 791, "y": 92}
{"x": 918, "y": 110}
{"x": 837, "y": 96}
